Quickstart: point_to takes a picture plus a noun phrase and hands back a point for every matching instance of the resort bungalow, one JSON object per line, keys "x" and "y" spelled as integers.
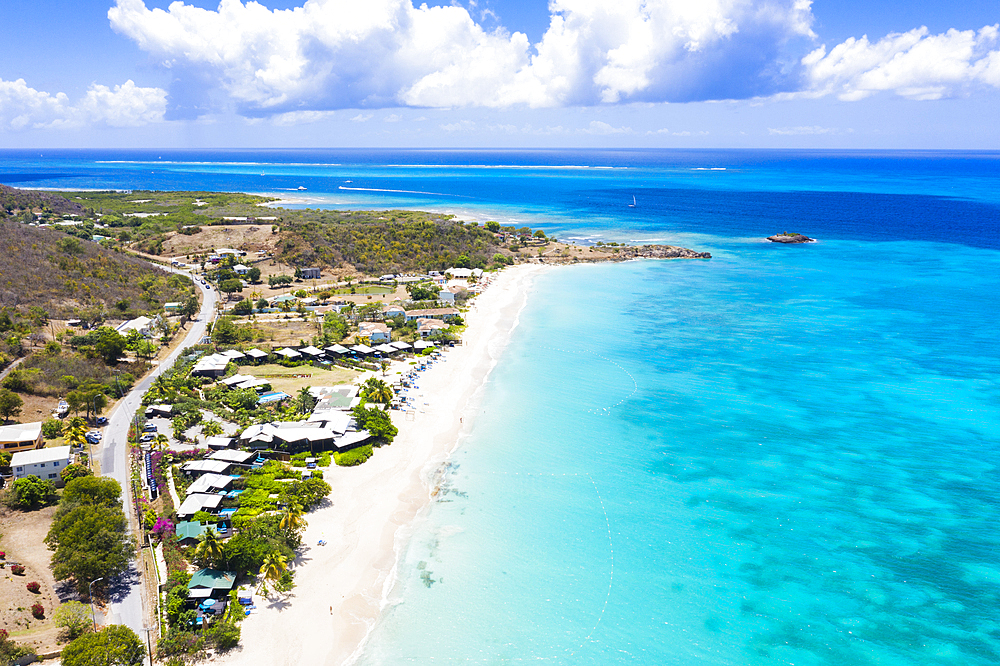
{"x": 21, "y": 437}
{"x": 43, "y": 463}
{"x": 296, "y": 436}
{"x": 218, "y": 442}
{"x": 256, "y": 355}
{"x": 375, "y": 331}
{"x": 240, "y": 269}
{"x": 159, "y": 411}
{"x": 337, "y": 350}
{"x": 189, "y": 533}
{"x": 312, "y": 352}
{"x": 290, "y": 354}
{"x": 199, "y": 467}
{"x": 459, "y": 272}
{"x": 196, "y": 502}
{"x": 434, "y": 313}
{"x": 210, "y": 483}
{"x": 233, "y": 354}
{"x": 211, "y": 583}
{"x": 211, "y": 366}
{"x": 233, "y": 456}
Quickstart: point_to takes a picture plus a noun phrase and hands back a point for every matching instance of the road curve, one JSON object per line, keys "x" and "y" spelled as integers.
{"x": 128, "y": 608}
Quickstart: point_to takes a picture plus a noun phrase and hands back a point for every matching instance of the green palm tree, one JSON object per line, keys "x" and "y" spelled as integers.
{"x": 210, "y": 550}
{"x": 377, "y": 390}
{"x": 293, "y": 519}
{"x": 275, "y": 564}
{"x": 161, "y": 441}
{"x": 211, "y": 428}
{"x": 76, "y": 432}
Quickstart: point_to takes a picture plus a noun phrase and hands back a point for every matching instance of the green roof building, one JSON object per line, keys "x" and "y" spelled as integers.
{"x": 210, "y": 582}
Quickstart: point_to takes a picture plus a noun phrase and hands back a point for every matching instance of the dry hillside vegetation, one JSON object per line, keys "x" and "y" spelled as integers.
{"x": 63, "y": 274}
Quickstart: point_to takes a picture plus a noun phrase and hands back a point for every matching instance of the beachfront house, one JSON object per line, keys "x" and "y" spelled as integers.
{"x": 211, "y": 583}
{"x": 44, "y": 463}
{"x": 21, "y": 437}
{"x": 426, "y": 327}
{"x": 375, "y": 331}
{"x": 434, "y": 313}
{"x": 332, "y": 433}
{"x": 463, "y": 273}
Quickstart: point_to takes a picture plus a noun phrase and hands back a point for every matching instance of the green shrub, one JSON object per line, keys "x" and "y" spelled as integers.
{"x": 30, "y": 493}
{"x": 353, "y": 457}
{"x": 51, "y": 428}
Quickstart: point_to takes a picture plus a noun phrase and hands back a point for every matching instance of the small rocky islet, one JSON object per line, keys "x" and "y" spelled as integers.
{"x": 790, "y": 237}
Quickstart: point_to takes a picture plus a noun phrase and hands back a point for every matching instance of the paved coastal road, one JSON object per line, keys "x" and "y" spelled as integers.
{"x": 114, "y": 460}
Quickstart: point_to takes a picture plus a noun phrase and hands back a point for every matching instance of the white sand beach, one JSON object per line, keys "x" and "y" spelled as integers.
{"x": 340, "y": 587}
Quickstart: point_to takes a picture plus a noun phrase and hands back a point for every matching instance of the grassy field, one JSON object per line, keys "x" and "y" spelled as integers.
{"x": 290, "y": 380}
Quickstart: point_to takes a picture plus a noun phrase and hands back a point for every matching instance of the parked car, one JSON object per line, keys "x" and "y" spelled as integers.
{"x": 92, "y": 438}
{"x": 149, "y": 427}
{"x": 95, "y": 433}
{"x": 148, "y": 437}
{"x": 102, "y": 420}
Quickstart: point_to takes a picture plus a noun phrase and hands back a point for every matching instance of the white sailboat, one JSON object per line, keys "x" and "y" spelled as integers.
{"x": 632, "y": 205}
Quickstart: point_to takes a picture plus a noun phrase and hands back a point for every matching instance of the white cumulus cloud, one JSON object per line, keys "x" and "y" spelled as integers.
{"x": 329, "y": 54}
{"x": 126, "y": 105}
{"x": 914, "y": 64}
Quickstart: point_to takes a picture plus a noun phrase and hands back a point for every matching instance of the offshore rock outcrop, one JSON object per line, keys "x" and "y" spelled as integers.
{"x": 786, "y": 237}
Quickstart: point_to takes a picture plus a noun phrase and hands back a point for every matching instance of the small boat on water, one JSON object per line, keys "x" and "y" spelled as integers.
{"x": 301, "y": 188}
{"x": 632, "y": 205}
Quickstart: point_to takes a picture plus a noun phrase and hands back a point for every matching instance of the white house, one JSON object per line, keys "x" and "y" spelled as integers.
{"x": 140, "y": 324}
{"x": 43, "y": 463}
{"x": 375, "y": 331}
{"x": 240, "y": 269}
{"x": 459, "y": 272}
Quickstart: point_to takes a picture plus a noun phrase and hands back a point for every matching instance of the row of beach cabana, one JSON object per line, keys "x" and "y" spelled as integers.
{"x": 339, "y": 351}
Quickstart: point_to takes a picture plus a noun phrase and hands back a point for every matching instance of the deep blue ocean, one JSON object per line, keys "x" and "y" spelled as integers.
{"x": 782, "y": 455}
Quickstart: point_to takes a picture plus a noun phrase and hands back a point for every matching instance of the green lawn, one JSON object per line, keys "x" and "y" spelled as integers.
{"x": 290, "y": 380}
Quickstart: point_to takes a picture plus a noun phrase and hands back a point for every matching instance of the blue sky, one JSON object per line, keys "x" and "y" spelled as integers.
{"x": 501, "y": 73}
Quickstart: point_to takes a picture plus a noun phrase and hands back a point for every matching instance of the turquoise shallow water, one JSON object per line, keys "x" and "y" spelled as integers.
{"x": 784, "y": 455}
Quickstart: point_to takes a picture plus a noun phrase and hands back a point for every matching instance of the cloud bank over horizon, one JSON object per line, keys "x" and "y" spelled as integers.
{"x": 301, "y": 65}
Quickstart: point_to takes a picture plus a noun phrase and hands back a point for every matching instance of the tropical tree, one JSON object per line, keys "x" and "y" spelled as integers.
{"x": 73, "y": 618}
{"x": 114, "y": 645}
{"x": 76, "y": 432}
{"x": 293, "y": 519}
{"x": 210, "y": 550}
{"x": 230, "y": 287}
{"x": 274, "y": 566}
{"x": 161, "y": 441}
{"x": 211, "y": 428}
{"x": 383, "y": 366}
{"x": 306, "y": 401}
{"x": 376, "y": 390}
{"x": 10, "y": 404}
